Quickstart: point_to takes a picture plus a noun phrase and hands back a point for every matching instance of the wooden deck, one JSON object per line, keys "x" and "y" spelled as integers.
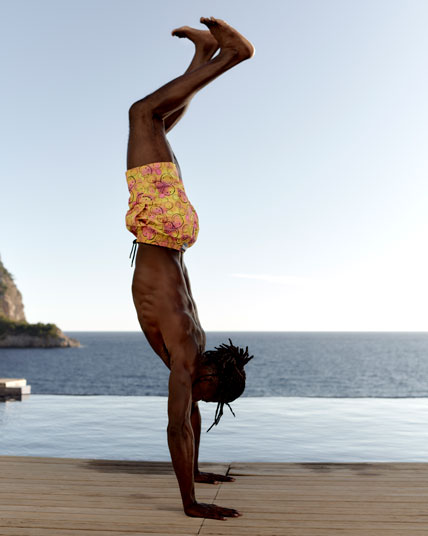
{"x": 74, "y": 497}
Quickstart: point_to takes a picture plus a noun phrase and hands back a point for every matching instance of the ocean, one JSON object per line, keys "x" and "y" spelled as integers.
{"x": 314, "y": 397}
{"x": 323, "y": 365}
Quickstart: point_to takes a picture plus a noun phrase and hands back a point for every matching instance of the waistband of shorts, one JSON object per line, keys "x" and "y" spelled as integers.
{"x": 154, "y": 171}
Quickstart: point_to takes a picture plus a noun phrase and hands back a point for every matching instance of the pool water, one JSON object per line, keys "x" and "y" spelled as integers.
{"x": 268, "y": 429}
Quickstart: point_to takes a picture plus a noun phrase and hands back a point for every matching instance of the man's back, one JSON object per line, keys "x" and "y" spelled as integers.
{"x": 163, "y": 300}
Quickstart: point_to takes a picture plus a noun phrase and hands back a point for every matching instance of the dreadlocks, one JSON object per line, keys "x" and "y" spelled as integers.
{"x": 229, "y": 361}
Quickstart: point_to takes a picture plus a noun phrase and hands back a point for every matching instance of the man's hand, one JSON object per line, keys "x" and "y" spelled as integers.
{"x": 212, "y": 478}
{"x": 210, "y": 511}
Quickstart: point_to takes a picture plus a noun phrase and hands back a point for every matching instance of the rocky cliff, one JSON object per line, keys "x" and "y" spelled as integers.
{"x": 15, "y": 331}
{"x": 11, "y": 305}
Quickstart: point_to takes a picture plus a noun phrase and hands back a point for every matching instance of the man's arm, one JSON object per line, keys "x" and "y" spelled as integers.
{"x": 180, "y": 433}
{"x": 181, "y": 445}
{"x": 195, "y": 419}
{"x": 207, "y": 478}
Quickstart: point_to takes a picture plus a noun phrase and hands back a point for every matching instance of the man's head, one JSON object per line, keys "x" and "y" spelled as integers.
{"x": 222, "y": 378}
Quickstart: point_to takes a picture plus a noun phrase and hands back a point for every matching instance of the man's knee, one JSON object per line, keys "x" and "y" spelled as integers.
{"x": 144, "y": 108}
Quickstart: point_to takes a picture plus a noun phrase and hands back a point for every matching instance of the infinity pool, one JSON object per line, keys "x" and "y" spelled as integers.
{"x": 265, "y": 429}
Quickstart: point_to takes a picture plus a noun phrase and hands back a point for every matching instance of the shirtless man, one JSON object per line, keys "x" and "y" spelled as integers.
{"x": 165, "y": 224}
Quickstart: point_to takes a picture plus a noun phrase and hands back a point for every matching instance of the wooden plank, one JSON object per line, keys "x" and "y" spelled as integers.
{"x": 113, "y": 492}
{"x": 286, "y": 487}
{"x": 72, "y": 498}
{"x": 32, "y": 531}
{"x": 288, "y": 469}
{"x": 86, "y": 519}
{"x": 227, "y": 529}
{"x": 104, "y": 528}
{"x": 107, "y": 466}
{"x": 252, "y": 509}
{"x": 249, "y": 518}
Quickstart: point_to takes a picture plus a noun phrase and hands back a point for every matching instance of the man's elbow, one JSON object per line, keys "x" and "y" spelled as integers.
{"x": 178, "y": 429}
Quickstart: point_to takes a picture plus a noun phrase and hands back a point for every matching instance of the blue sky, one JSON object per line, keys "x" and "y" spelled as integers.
{"x": 307, "y": 164}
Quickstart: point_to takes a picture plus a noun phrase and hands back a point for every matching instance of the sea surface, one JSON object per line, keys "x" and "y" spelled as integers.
{"x": 324, "y": 365}
{"x": 310, "y": 397}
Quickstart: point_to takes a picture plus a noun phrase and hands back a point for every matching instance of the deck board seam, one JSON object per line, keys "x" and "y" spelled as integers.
{"x": 215, "y": 498}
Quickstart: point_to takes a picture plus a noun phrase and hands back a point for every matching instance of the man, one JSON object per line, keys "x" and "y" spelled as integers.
{"x": 165, "y": 224}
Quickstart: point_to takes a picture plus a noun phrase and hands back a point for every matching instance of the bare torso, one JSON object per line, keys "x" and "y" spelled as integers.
{"x": 163, "y": 299}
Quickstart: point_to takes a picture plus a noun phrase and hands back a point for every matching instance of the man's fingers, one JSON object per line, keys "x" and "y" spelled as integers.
{"x": 206, "y": 480}
{"x": 229, "y": 512}
{"x": 211, "y": 511}
{"x": 216, "y": 514}
{"x": 222, "y": 512}
{"x": 225, "y": 478}
{"x": 212, "y": 478}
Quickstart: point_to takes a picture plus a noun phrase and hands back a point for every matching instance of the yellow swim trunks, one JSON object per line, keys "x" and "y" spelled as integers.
{"x": 159, "y": 211}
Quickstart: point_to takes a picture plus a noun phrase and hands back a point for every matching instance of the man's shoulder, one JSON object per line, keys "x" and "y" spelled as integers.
{"x": 184, "y": 354}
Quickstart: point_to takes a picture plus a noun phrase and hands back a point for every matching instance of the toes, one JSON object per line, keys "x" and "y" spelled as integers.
{"x": 210, "y": 22}
{"x": 218, "y": 22}
{"x": 179, "y": 32}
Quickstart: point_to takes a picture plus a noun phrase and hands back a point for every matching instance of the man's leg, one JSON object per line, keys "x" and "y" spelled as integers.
{"x": 147, "y": 140}
{"x": 205, "y": 48}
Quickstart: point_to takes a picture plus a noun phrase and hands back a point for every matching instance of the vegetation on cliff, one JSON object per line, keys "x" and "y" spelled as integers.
{"x": 15, "y": 331}
{"x": 10, "y": 327}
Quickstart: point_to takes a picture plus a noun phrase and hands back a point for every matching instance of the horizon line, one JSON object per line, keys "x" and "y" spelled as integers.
{"x": 253, "y": 331}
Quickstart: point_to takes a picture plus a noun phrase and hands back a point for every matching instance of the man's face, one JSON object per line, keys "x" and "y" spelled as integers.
{"x": 206, "y": 388}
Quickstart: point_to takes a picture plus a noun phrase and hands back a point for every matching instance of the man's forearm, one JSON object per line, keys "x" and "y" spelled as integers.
{"x": 195, "y": 419}
{"x": 181, "y": 448}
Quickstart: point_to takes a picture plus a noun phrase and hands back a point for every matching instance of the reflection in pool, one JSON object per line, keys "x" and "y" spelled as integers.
{"x": 265, "y": 429}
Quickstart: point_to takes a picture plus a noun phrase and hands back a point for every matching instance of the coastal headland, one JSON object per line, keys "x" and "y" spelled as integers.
{"x": 15, "y": 331}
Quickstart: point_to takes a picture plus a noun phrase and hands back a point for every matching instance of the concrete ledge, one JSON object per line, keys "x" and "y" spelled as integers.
{"x": 14, "y": 388}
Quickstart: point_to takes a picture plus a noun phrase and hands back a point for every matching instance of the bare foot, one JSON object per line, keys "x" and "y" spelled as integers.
{"x": 229, "y": 38}
{"x": 203, "y": 40}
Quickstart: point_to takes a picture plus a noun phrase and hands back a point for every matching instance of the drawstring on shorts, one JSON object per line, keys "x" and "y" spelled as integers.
{"x": 133, "y": 253}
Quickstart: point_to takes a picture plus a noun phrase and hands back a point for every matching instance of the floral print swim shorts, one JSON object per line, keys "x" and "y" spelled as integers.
{"x": 159, "y": 211}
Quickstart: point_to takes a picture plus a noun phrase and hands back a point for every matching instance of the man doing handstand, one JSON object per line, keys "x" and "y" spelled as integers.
{"x": 165, "y": 224}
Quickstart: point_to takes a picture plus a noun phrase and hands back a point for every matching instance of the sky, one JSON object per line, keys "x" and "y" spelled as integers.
{"x": 307, "y": 164}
